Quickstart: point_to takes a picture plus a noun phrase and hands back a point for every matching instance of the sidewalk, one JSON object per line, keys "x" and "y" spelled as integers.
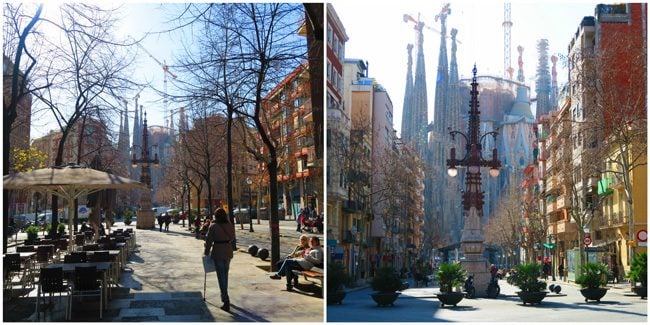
{"x": 165, "y": 283}
{"x": 421, "y": 305}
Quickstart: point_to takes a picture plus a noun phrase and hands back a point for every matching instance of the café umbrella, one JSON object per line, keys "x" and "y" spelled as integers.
{"x": 69, "y": 182}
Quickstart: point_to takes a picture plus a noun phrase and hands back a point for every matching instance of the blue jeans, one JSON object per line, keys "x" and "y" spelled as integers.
{"x": 222, "y": 266}
{"x": 286, "y": 268}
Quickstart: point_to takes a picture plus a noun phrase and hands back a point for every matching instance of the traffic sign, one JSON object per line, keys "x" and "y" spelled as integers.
{"x": 642, "y": 235}
{"x": 586, "y": 240}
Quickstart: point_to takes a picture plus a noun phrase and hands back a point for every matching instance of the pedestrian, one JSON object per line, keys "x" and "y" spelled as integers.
{"x": 160, "y": 222}
{"x": 299, "y": 219}
{"x": 546, "y": 269}
{"x": 197, "y": 226}
{"x": 615, "y": 273}
{"x": 493, "y": 272}
{"x": 168, "y": 220}
{"x": 560, "y": 270}
{"x": 218, "y": 245}
{"x": 312, "y": 259}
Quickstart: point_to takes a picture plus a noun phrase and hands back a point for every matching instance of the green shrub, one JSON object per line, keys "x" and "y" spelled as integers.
{"x": 592, "y": 275}
{"x": 526, "y": 277}
{"x": 386, "y": 280}
{"x": 336, "y": 276}
{"x": 32, "y": 233}
{"x": 639, "y": 269}
{"x": 61, "y": 228}
{"x": 450, "y": 275}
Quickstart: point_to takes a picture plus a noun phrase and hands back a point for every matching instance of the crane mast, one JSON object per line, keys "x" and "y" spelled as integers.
{"x": 507, "y": 24}
{"x": 166, "y": 71}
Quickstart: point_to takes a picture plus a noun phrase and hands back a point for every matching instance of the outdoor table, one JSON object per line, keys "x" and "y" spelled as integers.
{"x": 103, "y": 267}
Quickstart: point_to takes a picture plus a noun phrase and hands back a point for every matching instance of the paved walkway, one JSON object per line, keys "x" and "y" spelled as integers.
{"x": 421, "y": 305}
{"x": 165, "y": 283}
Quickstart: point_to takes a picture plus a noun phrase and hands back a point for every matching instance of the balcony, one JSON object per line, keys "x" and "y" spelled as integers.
{"x": 550, "y": 206}
{"x": 549, "y": 164}
{"x": 566, "y": 226}
{"x": 352, "y": 206}
{"x": 349, "y": 238}
{"x": 562, "y": 202}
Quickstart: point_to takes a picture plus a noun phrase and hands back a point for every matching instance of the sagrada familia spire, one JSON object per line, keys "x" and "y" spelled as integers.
{"x": 415, "y": 112}
{"x": 441, "y": 193}
{"x": 407, "y": 114}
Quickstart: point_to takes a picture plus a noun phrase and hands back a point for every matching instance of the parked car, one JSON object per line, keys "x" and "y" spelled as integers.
{"x": 46, "y": 217}
{"x": 23, "y": 220}
{"x": 159, "y": 210}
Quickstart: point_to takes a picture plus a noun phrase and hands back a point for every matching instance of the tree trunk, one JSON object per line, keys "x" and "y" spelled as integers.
{"x": 9, "y": 118}
{"x": 229, "y": 172}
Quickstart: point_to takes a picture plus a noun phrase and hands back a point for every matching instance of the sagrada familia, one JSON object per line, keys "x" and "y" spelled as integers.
{"x": 505, "y": 106}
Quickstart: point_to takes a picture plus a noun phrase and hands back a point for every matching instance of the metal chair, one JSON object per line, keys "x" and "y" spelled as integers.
{"x": 11, "y": 269}
{"x": 69, "y": 259}
{"x": 83, "y": 256}
{"x": 79, "y": 240}
{"x": 43, "y": 257}
{"x": 90, "y": 247}
{"x": 104, "y": 256}
{"x": 86, "y": 283}
{"x": 25, "y": 249}
{"x": 50, "y": 282}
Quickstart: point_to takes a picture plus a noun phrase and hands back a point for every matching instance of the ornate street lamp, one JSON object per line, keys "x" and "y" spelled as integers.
{"x": 472, "y": 235}
{"x": 249, "y": 181}
{"x": 145, "y": 214}
{"x": 552, "y": 241}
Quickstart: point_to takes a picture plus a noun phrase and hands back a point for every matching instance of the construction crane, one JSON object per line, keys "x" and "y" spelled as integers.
{"x": 420, "y": 24}
{"x": 507, "y": 25}
{"x": 166, "y": 71}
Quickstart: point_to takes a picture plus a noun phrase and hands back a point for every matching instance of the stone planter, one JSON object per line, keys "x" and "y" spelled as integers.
{"x": 451, "y": 298}
{"x": 593, "y": 293}
{"x": 534, "y": 297}
{"x": 641, "y": 291}
{"x": 384, "y": 298}
{"x": 335, "y": 298}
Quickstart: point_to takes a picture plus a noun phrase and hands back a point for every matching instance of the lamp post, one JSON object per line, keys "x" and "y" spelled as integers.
{"x": 472, "y": 237}
{"x": 249, "y": 181}
{"x": 551, "y": 240}
{"x": 145, "y": 214}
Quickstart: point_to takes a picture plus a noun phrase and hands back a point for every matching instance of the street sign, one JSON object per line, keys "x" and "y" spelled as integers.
{"x": 631, "y": 243}
{"x": 587, "y": 241}
{"x": 642, "y": 235}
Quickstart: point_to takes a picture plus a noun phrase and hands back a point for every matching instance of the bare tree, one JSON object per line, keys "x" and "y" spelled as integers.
{"x": 14, "y": 32}
{"x": 504, "y": 225}
{"x": 86, "y": 69}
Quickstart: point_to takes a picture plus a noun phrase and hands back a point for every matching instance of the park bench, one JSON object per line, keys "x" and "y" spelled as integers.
{"x": 313, "y": 275}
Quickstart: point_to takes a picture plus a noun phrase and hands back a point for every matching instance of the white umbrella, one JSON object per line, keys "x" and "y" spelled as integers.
{"x": 69, "y": 182}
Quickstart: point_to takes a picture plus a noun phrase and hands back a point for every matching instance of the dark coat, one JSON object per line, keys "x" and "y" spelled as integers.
{"x": 218, "y": 241}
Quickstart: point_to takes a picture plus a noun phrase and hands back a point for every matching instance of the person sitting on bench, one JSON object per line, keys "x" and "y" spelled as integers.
{"x": 300, "y": 250}
{"x": 313, "y": 258}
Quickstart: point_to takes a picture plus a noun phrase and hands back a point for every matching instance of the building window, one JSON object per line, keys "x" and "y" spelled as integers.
{"x": 329, "y": 69}
{"x": 329, "y": 35}
{"x": 335, "y": 44}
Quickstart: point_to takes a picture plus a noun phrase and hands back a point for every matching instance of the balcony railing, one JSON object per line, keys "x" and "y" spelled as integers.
{"x": 550, "y": 206}
{"x": 562, "y": 202}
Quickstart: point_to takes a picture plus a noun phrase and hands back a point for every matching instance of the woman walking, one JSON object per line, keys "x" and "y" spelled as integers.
{"x": 219, "y": 239}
